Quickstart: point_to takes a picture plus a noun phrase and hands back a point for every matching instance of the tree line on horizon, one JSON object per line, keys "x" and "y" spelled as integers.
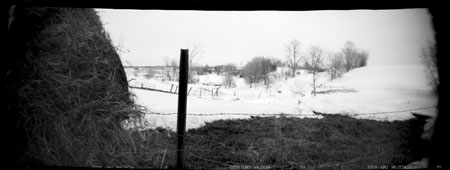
{"x": 315, "y": 59}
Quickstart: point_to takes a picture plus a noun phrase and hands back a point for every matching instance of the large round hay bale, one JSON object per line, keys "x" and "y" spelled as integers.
{"x": 71, "y": 88}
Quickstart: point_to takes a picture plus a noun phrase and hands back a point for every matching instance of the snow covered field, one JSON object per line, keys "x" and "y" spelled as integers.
{"x": 363, "y": 90}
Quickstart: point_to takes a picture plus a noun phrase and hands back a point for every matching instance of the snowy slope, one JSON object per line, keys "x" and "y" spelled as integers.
{"x": 397, "y": 77}
{"x": 379, "y": 89}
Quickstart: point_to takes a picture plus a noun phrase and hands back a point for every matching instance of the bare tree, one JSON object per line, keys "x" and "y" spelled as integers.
{"x": 362, "y": 58}
{"x": 250, "y": 73}
{"x": 258, "y": 69}
{"x": 268, "y": 65}
{"x": 167, "y": 69}
{"x": 349, "y": 52}
{"x": 315, "y": 59}
{"x": 174, "y": 69}
{"x": 293, "y": 55}
{"x": 195, "y": 53}
{"x": 336, "y": 64}
{"x": 229, "y": 70}
{"x": 428, "y": 55}
{"x": 353, "y": 56}
{"x": 228, "y": 80}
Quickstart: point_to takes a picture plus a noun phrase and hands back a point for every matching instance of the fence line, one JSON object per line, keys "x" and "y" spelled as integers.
{"x": 235, "y": 114}
{"x": 290, "y": 114}
{"x": 385, "y": 112}
{"x": 193, "y": 91}
{"x": 150, "y": 89}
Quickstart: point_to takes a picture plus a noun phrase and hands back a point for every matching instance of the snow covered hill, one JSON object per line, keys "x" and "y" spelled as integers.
{"x": 407, "y": 77}
{"x": 378, "y": 89}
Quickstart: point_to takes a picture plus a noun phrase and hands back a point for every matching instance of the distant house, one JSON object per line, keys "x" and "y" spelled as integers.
{"x": 283, "y": 71}
{"x": 212, "y": 70}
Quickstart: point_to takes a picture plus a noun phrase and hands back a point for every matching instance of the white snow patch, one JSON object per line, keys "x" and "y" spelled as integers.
{"x": 210, "y": 79}
{"x": 362, "y": 90}
{"x": 167, "y": 103}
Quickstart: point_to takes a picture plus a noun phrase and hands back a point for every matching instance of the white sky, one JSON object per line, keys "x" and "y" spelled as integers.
{"x": 392, "y": 37}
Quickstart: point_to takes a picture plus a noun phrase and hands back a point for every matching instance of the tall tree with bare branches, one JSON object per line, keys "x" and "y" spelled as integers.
{"x": 315, "y": 59}
{"x": 349, "y": 52}
{"x": 195, "y": 53}
{"x": 293, "y": 55}
{"x": 362, "y": 58}
{"x": 336, "y": 64}
{"x": 174, "y": 65}
{"x": 259, "y": 68}
{"x": 167, "y": 69}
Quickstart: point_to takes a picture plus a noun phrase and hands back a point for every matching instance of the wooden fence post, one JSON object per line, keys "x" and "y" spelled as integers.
{"x": 182, "y": 103}
{"x": 189, "y": 90}
{"x": 217, "y": 91}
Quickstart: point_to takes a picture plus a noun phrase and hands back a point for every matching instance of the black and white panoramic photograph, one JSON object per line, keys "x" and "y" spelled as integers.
{"x": 222, "y": 89}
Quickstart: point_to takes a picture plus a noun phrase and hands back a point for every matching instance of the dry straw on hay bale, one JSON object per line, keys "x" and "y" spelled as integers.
{"x": 72, "y": 93}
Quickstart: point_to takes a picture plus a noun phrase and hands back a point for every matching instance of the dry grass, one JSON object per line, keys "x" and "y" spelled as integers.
{"x": 74, "y": 96}
{"x": 334, "y": 142}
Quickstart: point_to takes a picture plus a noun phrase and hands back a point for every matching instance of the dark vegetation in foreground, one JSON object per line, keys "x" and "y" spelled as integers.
{"x": 334, "y": 142}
